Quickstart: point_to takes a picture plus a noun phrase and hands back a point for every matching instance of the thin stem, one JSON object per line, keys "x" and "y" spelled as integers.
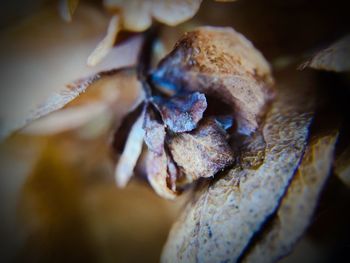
{"x": 145, "y": 60}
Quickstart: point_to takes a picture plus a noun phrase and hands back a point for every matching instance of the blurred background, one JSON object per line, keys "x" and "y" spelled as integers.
{"x": 58, "y": 199}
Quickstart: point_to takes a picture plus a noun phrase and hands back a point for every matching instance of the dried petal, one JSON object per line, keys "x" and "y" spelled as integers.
{"x": 202, "y": 152}
{"x": 219, "y": 222}
{"x": 106, "y": 44}
{"x": 157, "y": 173}
{"x": 137, "y": 14}
{"x": 67, "y": 9}
{"x": 342, "y": 166}
{"x": 334, "y": 58}
{"x": 298, "y": 205}
{"x": 132, "y": 150}
{"x": 172, "y": 12}
{"x": 154, "y": 133}
{"x": 223, "y": 63}
{"x": 182, "y": 113}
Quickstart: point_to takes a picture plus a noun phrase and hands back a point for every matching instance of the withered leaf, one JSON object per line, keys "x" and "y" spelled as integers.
{"x": 202, "y": 152}
{"x": 334, "y": 58}
{"x": 67, "y": 119}
{"x": 132, "y": 150}
{"x": 154, "y": 133}
{"x": 222, "y": 63}
{"x": 181, "y": 113}
{"x": 157, "y": 174}
{"x": 219, "y": 222}
{"x": 251, "y": 149}
{"x": 297, "y": 206}
{"x": 110, "y": 93}
{"x": 48, "y": 54}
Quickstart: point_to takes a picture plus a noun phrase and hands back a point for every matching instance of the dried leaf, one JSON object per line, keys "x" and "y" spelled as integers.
{"x": 48, "y": 54}
{"x": 161, "y": 171}
{"x": 157, "y": 173}
{"x": 67, "y": 9}
{"x": 334, "y": 58}
{"x": 154, "y": 133}
{"x": 182, "y": 113}
{"x": 251, "y": 150}
{"x": 218, "y": 224}
{"x": 66, "y": 119}
{"x": 202, "y": 152}
{"x": 112, "y": 92}
{"x": 297, "y": 206}
{"x": 137, "y": 14}
{"x": 132, "y": 150}
{"x": 223, "y": 63}
{"x": 106, "y": 44}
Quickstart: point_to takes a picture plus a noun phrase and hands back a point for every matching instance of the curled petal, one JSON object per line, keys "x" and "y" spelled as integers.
{"x": 157, "y": 173}
{"x": 132, "y": 150}
{"x": 136, "y": 14}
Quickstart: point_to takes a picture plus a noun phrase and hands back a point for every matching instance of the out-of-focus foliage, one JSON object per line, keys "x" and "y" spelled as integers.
{"x": 60, "y": 185}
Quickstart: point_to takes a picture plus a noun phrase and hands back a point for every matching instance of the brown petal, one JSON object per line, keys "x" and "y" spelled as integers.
{"x": 136, "y": 14}
{"x": 219, "y": 222}
{"x": 342, "y": 166}
{"x": 154, "y": 133}
{"x": 157, "y": 173}
{"x": 223, "y": 63}
{"x": 174, "y": 12}
{"x": 202, "y": 152}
